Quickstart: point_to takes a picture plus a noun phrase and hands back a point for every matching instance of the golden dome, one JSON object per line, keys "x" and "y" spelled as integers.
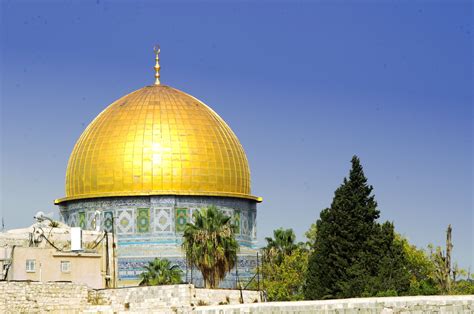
{"x": 157, "y": 141}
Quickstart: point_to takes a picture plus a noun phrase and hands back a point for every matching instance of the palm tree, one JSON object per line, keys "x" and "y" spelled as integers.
{"x": 160, "y": 272}
{"x": 282, "y": 244}
{"x": 210, "y": 245}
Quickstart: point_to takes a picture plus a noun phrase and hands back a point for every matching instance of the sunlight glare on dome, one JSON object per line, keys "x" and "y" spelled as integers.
{"x": 157, "y": 141}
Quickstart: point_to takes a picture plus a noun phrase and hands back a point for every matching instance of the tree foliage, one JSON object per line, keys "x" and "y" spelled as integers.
{"x": 428, "y": 272}
{"x": 160, "y": 272}
{"x": 311, "y": 235}
{"x": 353, "y": 255}
{"x": 282, "y": 244}
{"x": 210, "y": 245}
{"x": 463, "y": 287}
{"x": 420, "y": 268}
{"x": 452, "y": 280}
{"x": 284, "y": 281}
{"x": 350, "y": 254}
{"x": 283, "y": 270}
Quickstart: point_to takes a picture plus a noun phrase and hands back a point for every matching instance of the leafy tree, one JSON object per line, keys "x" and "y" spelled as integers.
{"x": 441, "y": 274}
{"x": 428, "y": 271}
{"x": 284, "y": 281}
{"x": 210, "y": 245}
{"x": 160, "y": 272}
{"x": 463, "y": 287}
{"x": 353, "y": 254}
{"x": 447, "y": 277}
{"x": 284, "y": 265}
{"x": 311, "y": 235}
{"x": 457, "y": 271}
{"x": 420, "y": 268}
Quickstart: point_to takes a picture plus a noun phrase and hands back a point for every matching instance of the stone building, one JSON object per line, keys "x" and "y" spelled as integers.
{"x": 43, "y": 253}
{"x": 146, "y": 163}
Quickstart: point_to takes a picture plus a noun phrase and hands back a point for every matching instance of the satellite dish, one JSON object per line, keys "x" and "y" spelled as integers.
{"x": 39, "y": 216}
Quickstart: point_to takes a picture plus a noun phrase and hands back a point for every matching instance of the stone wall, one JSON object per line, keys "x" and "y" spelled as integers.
{"x": 178, "y": 297}
{"x": 138, "y": 299}
{"x": 66, "y": 297}
{"x": 61, "y": 297}
{"x": 224, "y": 296}
{"x": 26, "y": 297}
{"x": 400, "y": 305}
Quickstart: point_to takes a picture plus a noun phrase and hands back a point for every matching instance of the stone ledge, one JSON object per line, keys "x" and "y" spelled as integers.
{"x": 413, "y": 304}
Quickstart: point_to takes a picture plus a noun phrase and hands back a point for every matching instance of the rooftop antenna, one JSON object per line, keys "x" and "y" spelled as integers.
{"x": 156, "y": 49}
{"x": 3, "y": 224}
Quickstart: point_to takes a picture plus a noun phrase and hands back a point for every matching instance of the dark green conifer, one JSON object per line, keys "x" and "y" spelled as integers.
{"x": 352, "y": 252}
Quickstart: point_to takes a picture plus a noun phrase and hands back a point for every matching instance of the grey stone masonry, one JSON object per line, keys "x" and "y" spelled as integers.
{"x": 62, "y": 297}
{"x": 392, "y": 305}
{"x": 28, "y": 297}
{"x": 65, "y": 297}
{"x": 178, "y": 297}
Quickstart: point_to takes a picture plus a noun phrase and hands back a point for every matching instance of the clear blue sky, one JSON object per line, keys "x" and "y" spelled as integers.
{"x": 304, "y": 86}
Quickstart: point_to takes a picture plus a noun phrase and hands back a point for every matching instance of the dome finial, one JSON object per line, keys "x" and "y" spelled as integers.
{"x": 157, "y": 64}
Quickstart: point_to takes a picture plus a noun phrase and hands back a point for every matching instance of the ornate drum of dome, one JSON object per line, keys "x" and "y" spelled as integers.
{"x": 145, "y": 164}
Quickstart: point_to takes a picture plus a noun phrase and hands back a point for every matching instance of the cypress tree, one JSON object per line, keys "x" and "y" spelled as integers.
{"x": 351, "y": 249}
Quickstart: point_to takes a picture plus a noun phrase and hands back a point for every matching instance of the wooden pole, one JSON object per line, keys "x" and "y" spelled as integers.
{"x": 449, "y": 248}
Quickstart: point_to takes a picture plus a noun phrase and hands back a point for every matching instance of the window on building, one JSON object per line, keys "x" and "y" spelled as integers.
{"x": 65, "y": 266}
{"x": 30, "y": 265}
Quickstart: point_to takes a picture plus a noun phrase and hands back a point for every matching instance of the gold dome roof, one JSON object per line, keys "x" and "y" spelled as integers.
{"x": 157, "y": 141}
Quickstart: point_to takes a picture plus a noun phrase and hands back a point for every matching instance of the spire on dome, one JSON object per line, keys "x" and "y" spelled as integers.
{"x": 157, "y": 64}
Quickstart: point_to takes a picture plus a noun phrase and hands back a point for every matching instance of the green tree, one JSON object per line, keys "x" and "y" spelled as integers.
{"x": 284, "y": 265}
{"x": 463, "y": 287}
{"x": 380, "y": 271}
{"x": 311, "y": 235}
{"x": 160, "y": 272}
{"x": 354, "y": 255}
{"x": 282, "y": 243}
{"x": 420, "y": 268}
{"x": 210, "y": 245}
{"x": 462, "y": 283}
{"x": 284, "y": 281}
{"x": 449, "y": 277}
{"x": 429, "y": 272}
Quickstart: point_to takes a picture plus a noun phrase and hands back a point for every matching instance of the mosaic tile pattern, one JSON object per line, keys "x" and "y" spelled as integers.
{"x": 163, "y": 220}
{"x": 253, "y": 224}
{"x": 125, "y": 221}
{"x": 245, "y": 223}
{"x": 158, "y": 233}
{"x": 182, "y": 218}
{"x": 108, "y": 221}
{"x": 236, "y": 221}
{"x": 162, "y": 213}
{"x": 192, "y": 212}
{"x": 82, "y": 220}
{"x": 71, "y": 219}
{"x": 91, "y": 220}
{"x": 131, "y": 268}
{"x": 143, "y": 220}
